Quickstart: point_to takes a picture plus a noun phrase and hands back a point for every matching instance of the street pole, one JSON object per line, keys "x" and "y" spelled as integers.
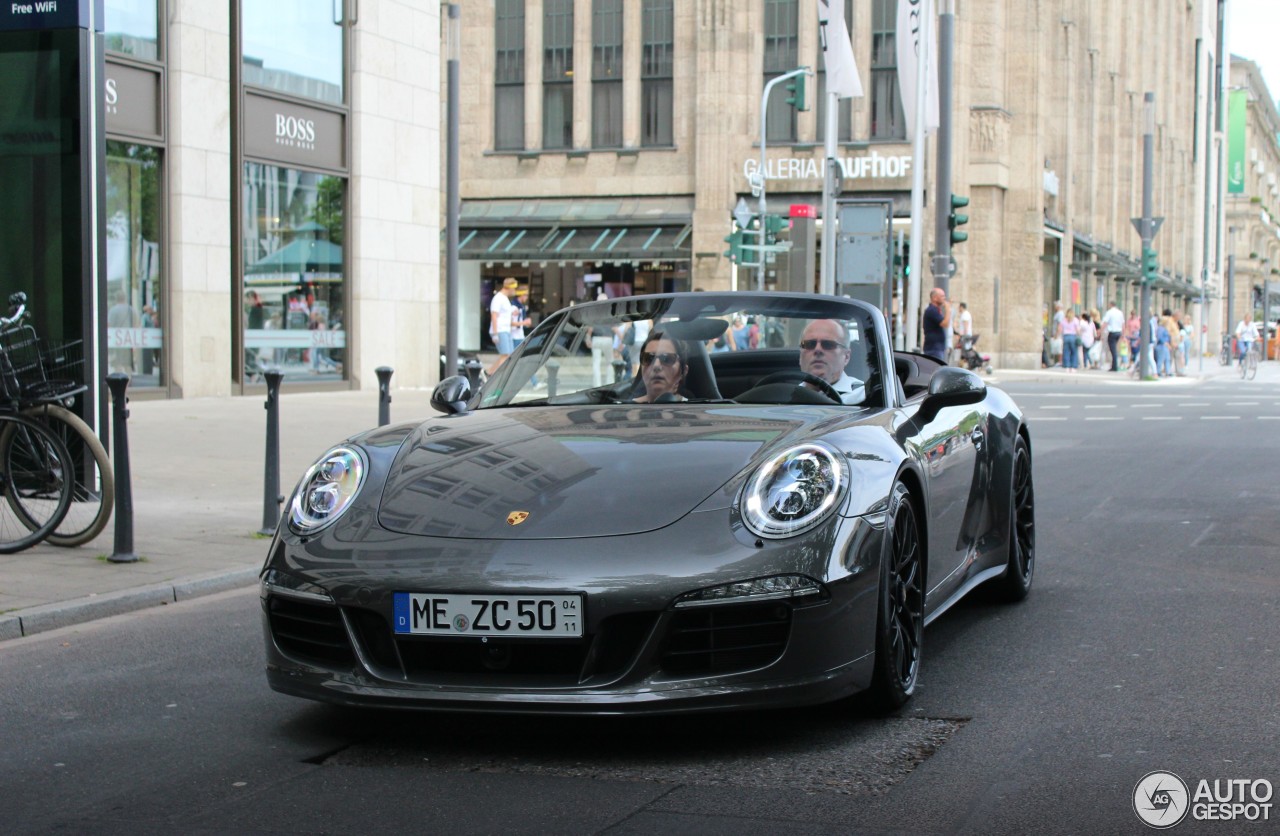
{"x": 1231, "y": 283}
{"x": 1147, "y": 226}
{"x": 452, "y": 299}
{"x": 917, "y": 188}
{"x": 829, "y": 187}
{"x": 942, "y": 181}
{"x": 764, "y": 161}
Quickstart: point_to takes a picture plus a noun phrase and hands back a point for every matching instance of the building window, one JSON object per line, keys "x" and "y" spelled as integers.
{"x": 508, "y": 77}
{"x": 135, "y": 287}
{"x": 781, "y": 50}
{"x": 557, "y": 74}
{"x": 658, "y": 43}
{"x": 131, "y": 28}
{"x": 294, "y": 281}
{"x": 886, "y": 101}
{"x": 293, "y": 47}
{"x": 844, "y": 122}
{"x": 606, "y": 74}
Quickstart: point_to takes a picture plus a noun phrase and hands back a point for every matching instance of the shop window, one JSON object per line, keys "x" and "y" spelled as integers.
{"x": 508, "y": 77}
{"x": 658, "y": 44}
{"x": 294, "y": 47}
{"x": 606, "y": 74}
{"x": 132, "y": 28}
{"x": 294, "y": 278}
{"x": 557, "y": 74}
{"x": 781, "y": 51}
{"x": 135, "y": 282}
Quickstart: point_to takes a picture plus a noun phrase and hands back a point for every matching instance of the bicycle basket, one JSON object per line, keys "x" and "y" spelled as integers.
{"x": 20, "y": 364}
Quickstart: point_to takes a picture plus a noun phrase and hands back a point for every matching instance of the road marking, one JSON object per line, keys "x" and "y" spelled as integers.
{"x": 1269, "y": 417}
{"x": 1145, "y": 405}
{"x": 1219, "y": 417}
{"x": 1104, "y": 418}
{"x": 1100, "y": 406}
{"x": 1161, "y": 417}
{"x": 1194, "y": 403}
{"x": 1064, "y": 406}
{"x": 1242, "y": 403}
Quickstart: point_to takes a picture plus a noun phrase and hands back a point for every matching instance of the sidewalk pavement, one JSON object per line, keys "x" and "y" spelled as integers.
{"x": 198, "y": 495}
{"x": 197, "y": 473}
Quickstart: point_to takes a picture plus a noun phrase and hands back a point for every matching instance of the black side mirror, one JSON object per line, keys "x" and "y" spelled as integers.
{"x": 451, "y": 395}
{"x": 952, "y": 386}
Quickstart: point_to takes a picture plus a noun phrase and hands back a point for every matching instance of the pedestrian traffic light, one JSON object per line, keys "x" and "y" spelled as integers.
{"x": 773, "y": 224}
{"x": 956, "y": 219}
{"x": 1150, "y": 265}
{"x": 795, "y": 92}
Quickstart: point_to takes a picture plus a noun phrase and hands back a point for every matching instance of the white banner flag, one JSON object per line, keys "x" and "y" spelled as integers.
{"x": 917, "y": 31}
{"x": 837, "y": 53}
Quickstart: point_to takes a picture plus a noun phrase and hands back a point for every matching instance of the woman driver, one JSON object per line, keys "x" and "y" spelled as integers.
{"x": 663, "y": 365}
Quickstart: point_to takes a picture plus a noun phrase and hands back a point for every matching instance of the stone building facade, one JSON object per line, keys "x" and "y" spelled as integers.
{"x": 1048, "y": 123}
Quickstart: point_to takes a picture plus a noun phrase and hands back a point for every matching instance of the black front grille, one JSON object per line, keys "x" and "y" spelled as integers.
{"x": 558, "y": 662}
{"x": 310, "y": 632}
{"x": 725, "y": 638}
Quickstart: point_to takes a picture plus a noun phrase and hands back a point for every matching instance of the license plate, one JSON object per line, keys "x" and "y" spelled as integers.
{"x": 505, "y": 616}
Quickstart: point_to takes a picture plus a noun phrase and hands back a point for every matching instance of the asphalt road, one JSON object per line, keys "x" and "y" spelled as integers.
{"x": 1148, "y": 643}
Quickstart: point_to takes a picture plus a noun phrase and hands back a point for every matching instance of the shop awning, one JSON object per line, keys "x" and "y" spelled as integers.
{"x": 596, "y": 230}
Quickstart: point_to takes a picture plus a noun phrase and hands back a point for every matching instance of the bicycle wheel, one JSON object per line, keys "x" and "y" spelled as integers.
{"x": 94, "y": 493}
{"x": 1251, "y": 367}
{"x": 1224, "y": 356}
{"x": 36, "y": 482}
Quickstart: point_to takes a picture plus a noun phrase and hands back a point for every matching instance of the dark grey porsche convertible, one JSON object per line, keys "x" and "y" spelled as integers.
{"x": 659, "y": 503}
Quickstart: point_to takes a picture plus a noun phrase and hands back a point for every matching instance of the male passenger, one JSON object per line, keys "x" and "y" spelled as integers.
{"x": 824, "y": 352}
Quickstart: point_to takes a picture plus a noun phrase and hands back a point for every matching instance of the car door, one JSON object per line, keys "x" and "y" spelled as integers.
{"x": 949, "y": 446}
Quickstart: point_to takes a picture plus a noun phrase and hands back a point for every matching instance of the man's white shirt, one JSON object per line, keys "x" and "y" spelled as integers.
{"x": 1113, "y": 320}
{"x": 501, "y": 306}
{"x": 849, "y": 389}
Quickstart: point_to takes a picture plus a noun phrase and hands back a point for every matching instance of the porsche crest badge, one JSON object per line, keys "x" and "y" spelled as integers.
{"x": 517, "y": 517}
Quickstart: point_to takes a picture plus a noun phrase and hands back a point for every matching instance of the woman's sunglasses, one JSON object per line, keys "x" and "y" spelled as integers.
{"x": 827, "y": 345}
{"x": 666, "y": 358}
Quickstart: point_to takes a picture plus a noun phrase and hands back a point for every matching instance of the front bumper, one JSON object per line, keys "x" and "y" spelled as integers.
{"x": 639, "y": 653}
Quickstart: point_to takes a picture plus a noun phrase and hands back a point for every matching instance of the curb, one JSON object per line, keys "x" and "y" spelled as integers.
{"x": 68, "y": 613}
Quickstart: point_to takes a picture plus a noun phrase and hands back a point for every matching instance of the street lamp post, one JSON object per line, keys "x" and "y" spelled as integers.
{"x": 452, "y": 207}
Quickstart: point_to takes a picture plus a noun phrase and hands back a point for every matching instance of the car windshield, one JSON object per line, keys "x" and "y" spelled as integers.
{"x": 698, "y": 347}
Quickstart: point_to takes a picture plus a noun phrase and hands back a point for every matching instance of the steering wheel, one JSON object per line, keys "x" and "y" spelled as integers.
{"x": 801, "y": 376}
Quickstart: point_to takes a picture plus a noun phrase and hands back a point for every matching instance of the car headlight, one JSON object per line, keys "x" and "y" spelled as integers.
{"x": 327, "y": 490}
{"x": 793, "y": 491}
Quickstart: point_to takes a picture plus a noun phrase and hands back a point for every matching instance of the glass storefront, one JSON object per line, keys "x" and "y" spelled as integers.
{"x": 135, "y": 285}
{"x": 294, "y": 280}
{"x": 294, "y": 47}
{"x": 131, "y": 28}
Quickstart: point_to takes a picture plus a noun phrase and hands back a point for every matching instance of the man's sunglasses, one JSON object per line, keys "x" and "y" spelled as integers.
{"x": 827, "y": 345}
{"x": 666, "y": 358}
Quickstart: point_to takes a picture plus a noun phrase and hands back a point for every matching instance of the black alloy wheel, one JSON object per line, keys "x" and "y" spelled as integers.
{"x": 1015, "y": 583}
{"x": 900, "y": 619}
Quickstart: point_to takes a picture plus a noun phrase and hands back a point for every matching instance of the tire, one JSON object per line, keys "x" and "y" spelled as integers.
{"x": 94, "y": 492}
{"x": 1251, "y": 368}
{"x": 900, "y": 612}
{"x": 36, "y": 481}
{"x": 1015, "y": 584}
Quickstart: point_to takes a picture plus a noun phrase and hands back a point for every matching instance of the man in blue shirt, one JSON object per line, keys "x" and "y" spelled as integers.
{"x": 937, "y": 319}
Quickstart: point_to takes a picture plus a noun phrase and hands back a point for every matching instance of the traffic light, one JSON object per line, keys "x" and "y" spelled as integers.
{"x": 956, "y": 219}
{"x": 1150, "y": 265}
{"x": 795, "y": 92}
{"x": 734, "y": 240}
{"x": 773, "y": 224}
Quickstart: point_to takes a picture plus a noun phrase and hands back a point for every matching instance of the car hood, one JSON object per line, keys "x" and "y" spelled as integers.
{"x": 584, "y": 471}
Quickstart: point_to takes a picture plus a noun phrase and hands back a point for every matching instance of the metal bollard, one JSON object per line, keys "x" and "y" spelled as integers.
{"x": 384, "y": 394}
{"x": 271, "y": 497}
{"x": 117, "y": 382}
{"x": 618, "y": 367}
{"x": 553, "y": 377}
{"x": 473, "y": 374}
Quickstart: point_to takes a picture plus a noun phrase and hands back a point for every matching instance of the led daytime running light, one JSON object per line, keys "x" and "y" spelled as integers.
{"x": 759, "y": 589}
{"x": 326, "y": 490}
{"x": 793, "y": 492}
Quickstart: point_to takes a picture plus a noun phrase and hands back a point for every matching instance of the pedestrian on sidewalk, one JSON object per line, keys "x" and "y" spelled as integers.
{"x": 962, "y": 326}
{"x": 1055, "y": 334}
{"x": 937, "y": 322}
{"x": 1113, "y": 326}
{"x": 1069, "y": 333}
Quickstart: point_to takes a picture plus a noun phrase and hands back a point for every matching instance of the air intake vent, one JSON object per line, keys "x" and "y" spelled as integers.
{"x": 309, "y": 632}
{"x": 726, "y": 638}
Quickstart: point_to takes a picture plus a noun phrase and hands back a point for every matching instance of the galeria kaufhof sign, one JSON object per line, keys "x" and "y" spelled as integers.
{"x": 871, "y": 166}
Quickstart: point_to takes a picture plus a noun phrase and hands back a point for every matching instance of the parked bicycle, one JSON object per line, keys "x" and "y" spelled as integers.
{"x": 40, "y": 380}
{"x": 1224, "y": 354}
